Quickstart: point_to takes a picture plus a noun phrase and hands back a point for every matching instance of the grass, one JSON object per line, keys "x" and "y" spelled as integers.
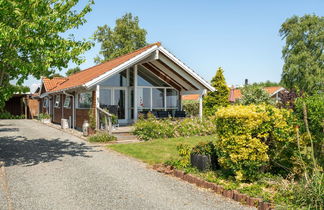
{"x": 158, "y": 150}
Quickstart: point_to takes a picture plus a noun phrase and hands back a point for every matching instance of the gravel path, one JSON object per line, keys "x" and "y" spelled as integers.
{"x": 44, "y": 168}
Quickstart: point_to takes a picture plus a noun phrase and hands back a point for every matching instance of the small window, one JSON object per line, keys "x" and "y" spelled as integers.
{"x": 84, "y": 100}
{"x": 57, "y": 101}
{"x": 67, "y": 102}
{"x": 45, "y": 102}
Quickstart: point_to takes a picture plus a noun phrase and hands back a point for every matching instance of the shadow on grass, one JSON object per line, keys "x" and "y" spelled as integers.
{"x": 18, "y": 150}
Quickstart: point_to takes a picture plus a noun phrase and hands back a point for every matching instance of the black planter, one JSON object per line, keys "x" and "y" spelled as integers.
{"x": 202, "y": 162}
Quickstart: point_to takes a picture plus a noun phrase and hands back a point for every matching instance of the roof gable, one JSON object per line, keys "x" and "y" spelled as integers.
{"x": 95, "y": 74}
{"x": 87, "y": 75}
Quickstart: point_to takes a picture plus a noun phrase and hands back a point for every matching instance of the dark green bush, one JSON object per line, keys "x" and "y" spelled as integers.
{"x": 101, "y": 137}
{"x": 315, "y": 116}
{"x": 7, "y": 115}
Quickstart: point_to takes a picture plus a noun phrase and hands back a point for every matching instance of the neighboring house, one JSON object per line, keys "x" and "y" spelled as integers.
{"x": 148, "y": 79}
{"x": 22, "y": 104}
{"x": 274, "y": 92}
{"x": 192, "y": 97}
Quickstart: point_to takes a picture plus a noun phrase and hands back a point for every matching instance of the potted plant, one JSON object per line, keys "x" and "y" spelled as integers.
{"x": 44, "y": 118}
{"x": 203, "y": 156}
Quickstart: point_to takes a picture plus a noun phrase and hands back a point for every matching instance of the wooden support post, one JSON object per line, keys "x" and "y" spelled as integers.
{"x": 135, "y": 94}
{"x": 200, "y": 106}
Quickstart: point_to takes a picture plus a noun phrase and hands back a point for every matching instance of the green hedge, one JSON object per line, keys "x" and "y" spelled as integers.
{"x": 152, "y": 128}
{"x": 251, "y": 138}
{"x": 7, "y": 115}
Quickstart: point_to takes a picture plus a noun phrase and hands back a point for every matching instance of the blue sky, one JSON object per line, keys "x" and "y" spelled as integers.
{"x": 241, "y": 36}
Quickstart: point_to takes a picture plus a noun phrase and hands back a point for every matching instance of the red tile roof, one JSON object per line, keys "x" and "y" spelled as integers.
{"x": 91, "y": 73}
{"x": 193, "y": 97}
{"x": 52, "y": 83}
{"x": 236, "y": 94}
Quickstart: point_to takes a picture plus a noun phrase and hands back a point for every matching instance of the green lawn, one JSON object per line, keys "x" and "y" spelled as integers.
{"x": 158, "y": 150}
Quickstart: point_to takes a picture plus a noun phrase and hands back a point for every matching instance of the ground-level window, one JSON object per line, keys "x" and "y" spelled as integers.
{"x": 57, "y": 101}
{"x": 84, "y": 100}
{"x": 67, "y": 102}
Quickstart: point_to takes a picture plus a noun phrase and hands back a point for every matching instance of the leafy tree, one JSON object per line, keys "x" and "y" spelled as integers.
{"x": 73, "y": 71}
{"x": 254, "y": 94}
{"x": 267, "y": 83}
{"x": 218, "y": 98}
{"x": 55, "y": 75}
{"x": 31, "y": 41}
{"x": 125, "y": 37}
{"x": 303, "y": 53}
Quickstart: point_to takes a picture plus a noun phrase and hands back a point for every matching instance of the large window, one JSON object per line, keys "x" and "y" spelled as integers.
{"x": 158, "y": 98}
{"x": 118, "y": 80}
{"x": 57, "y": 101}
{"x": 146, "y": 78}
{"x": 172, "y": 98}
{"x": 67, "y": 102}
{"x": 105, "y": 98}
{"x": 144, "y": 98}
{"x": 153, "y": 98}
{"x": 84, "y": 100}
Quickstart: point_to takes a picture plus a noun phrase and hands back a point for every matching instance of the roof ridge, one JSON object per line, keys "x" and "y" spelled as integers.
{"x": 147, "y": 46}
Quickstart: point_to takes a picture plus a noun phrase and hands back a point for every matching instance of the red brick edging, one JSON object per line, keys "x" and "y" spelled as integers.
{"x": 232, "y": 194}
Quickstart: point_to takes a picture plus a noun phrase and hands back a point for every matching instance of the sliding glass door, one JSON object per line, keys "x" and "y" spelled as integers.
{"x": 115, "y": 101}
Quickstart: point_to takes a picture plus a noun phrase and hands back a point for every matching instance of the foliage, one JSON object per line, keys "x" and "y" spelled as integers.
{"x": 207, "y": 149}
{"x": 287, "y": 99}
{"x": 303, "y": 53}
{"x": 44, "y": 116}
{"x": 8, "y": 115}
{"x": 218, "y": 98}
{"x": 101, "y": 137}
{"x": 184, "y": 153}
{"x": 92, "y": 118}
{"x": 267, "y": 83}
{"x": 253, "y": 94}
{"x": 204, "y": 148}
{"x": 31, "y": 40}
{"x": 191, "y": 108}
{"x": 125, "y": 37}
{"x": 315, "y": 116}
{"x": 251, "y": 136}
{"x": 71, "y": 71}
{"x": 305, "y": 194}
{"x": 54, "y": 75}
{"x": 152, "y": 128}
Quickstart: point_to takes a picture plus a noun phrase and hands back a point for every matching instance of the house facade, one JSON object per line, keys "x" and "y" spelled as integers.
{"x": 148, "y": 79}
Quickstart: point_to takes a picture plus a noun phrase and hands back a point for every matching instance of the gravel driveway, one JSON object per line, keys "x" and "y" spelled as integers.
{"x": 44, "y": 168}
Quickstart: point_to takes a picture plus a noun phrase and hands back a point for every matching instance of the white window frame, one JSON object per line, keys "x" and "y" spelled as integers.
{"x": 77, "y": 100}
{"x": 165, "y": 100}
{"x": 69, "y": 104}
{"x": 57, "y": 105}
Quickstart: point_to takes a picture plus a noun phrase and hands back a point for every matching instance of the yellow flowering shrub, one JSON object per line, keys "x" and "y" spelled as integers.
{"x": 245, "y": 134}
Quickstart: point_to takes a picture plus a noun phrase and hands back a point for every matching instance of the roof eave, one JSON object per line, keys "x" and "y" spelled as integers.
{"x": 187, "y": 69}
{"x": 124, "y": 65}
